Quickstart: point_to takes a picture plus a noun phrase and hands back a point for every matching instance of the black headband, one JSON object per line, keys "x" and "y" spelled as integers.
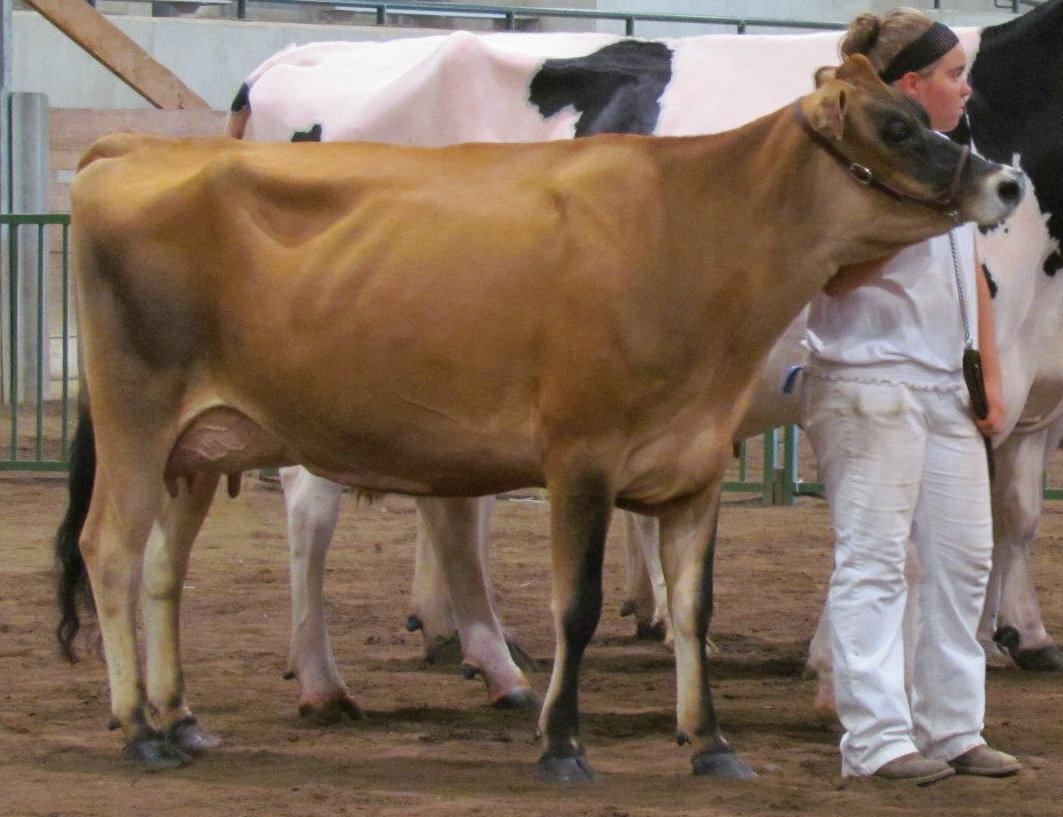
{"x": 927, "y": 48}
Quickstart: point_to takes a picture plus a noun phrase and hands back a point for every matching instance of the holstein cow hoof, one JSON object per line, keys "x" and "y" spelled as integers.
{"x": 1041, "y": 659}
{"x": 654, "y": 630}
{"x": 568, "y": 769}
{"x": 518, "y": 699}
{"x": 189, "y": 738}
{"x": 1046, "y": 659}
{"x": 155, "y": 752}
{"x": 722, "y": 763}
{"x": 333, "y": 710}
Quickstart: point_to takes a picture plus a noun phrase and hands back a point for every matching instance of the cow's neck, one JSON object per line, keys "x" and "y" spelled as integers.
{"x": 797, "y": 219}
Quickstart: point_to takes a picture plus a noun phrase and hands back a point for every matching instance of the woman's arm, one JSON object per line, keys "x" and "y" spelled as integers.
{"x": 987, "y": 344}
{"x": 846, "y": 279}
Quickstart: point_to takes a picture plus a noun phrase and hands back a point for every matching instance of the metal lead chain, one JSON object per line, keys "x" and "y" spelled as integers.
{"x": 968, "y": 342}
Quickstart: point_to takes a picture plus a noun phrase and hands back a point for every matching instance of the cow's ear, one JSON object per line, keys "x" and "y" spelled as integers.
{"x": 826, "y": 114}
{"x": 858, "y": 70}
{"x": 824, "y": 74}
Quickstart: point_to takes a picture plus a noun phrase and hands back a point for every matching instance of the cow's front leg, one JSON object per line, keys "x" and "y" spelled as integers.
{"x": 456, "y": 531}
{"x": 165, "y": 567}
{"x": 688, "y": 539}
{"x": 579, "y": 520}
{"x": 1011, "y": 620}
{"x": 312, "y": 504}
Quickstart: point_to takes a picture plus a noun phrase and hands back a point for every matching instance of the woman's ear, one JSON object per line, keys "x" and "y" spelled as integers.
{"x": 909, "y": 83}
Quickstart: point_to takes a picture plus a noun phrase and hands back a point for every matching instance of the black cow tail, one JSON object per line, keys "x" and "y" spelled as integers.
{"x": 73, "y": 590}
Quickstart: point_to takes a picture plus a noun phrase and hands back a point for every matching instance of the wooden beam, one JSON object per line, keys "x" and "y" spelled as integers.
{"x": 112, "y": 48}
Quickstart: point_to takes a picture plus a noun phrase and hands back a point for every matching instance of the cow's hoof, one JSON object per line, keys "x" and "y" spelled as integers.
{"x": 153, "y": 751}
{"x": 325, "y": 712}
{"x": 653, "y": 630}
{"x": 1046, "y": 659}
{"x": 722, "y": 763}
{"x": 523, "y": 698}
{"x": 189, "y": 738}
{"x": 568, "y": 769}
{"x": 1040, "y": 659}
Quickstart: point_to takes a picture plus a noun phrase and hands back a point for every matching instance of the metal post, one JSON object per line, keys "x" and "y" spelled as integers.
{"x": 26, "y": 344}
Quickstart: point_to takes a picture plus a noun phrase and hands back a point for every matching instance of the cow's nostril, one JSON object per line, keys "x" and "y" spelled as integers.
{"x": 1010, "y": 190}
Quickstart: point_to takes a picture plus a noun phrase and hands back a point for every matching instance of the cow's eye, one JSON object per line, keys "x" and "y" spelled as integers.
{"x": 896, "y": 132}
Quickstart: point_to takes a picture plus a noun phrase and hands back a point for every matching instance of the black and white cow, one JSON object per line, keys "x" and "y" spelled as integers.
{"x": 463, "y": 87}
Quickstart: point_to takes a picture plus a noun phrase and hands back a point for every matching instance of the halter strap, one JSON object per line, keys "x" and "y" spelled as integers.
{"x": 864, "y": 175}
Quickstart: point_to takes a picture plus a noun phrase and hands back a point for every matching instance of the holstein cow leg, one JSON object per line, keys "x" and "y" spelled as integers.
{"x": 1011, "y": 620}
{"x": 437, "y": 519}
{"x": 165, "y": 567}
{"x": 688, "y": 533}
{"x": 579, "y": 521}
{"x": 313, "y": 505}
{"x": 646, "y": 596}
{"x": 457, "y": 530}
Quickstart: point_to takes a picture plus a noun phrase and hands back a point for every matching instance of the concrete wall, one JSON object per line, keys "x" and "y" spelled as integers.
{"x": 211, "y": 56}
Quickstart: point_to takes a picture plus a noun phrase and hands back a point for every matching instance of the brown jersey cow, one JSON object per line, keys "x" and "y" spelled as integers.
{"x": 589, "y": 316}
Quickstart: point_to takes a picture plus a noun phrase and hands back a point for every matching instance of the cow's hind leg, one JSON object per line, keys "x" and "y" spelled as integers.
{"x": 313, "y": 504}
{"x": 457, "y": 531}
{"x": 645, "y": 596}
{"x": 579, "y": 521}
{"x": 113, "y": 543}
{"x": 688, "y": 533}
{"x": 1011, "y": 620}
{"x": 431, "y": 613}
{"x": 165, "y": 567}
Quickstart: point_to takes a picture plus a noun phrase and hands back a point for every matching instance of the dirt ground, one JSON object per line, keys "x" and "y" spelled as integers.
{"x": 431, "y": 745}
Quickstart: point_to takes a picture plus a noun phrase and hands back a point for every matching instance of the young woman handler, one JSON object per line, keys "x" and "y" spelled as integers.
{"x": 902, "y": 458}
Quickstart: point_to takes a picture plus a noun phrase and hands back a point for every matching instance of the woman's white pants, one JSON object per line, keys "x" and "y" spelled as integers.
{"x": 900, "y": 462}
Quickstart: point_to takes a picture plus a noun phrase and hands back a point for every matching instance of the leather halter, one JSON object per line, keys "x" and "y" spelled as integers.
{"x": 863, "y": 174}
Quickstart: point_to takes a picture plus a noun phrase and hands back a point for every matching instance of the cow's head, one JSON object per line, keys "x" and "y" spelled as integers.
{"x": 883, "y": 136}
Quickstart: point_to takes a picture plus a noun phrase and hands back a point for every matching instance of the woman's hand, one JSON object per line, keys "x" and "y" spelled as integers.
{"x": 993, "y": 423}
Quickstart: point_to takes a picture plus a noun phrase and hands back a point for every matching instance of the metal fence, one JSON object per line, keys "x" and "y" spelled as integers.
{"x": 37, "y": 363}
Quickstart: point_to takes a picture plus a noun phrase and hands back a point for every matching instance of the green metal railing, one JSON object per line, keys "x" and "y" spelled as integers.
{"x": 36, "y": 413}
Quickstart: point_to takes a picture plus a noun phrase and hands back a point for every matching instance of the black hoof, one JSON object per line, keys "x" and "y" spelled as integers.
{"x": 569, "y": 769}
{"x": 524, "y": 699}
{"x": 153, "y": 751}
{"x": 722, "y": 763}
{"x": 1042, "y": 659}
{"x": 650, "y": 630}
{"x": 189, "y": 738}
{"x": 1046, "y": 659}
{"x": 332, "y": 711}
